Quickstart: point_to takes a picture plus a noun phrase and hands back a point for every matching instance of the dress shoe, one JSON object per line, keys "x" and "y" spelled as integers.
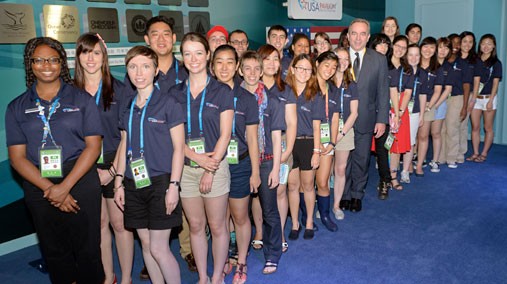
{"x": 355, "y": 205}
{"x": 191, "y": 262}
{"x": 344, "y": 204}
{"x": 383, "y": 190}
{"x": 144, "y": 275}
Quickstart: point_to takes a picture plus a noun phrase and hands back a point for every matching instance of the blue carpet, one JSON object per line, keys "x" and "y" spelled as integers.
{"x": 448, "y": 227}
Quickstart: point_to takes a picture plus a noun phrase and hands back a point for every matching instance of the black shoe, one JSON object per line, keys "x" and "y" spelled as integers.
{"x": 308, "y": 235}
{"x": 344, "y": 204}
{"x": 355, "y": 205}
{"x": 144, "y": 275}
{"x": 383, "y": 191}
{"x": 191, "y": 262}
{"x": 294, "y": 234}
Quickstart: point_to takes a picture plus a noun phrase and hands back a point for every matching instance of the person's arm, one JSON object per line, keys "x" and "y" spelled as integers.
{"x": 437, "y": 91}
{"x": 291, "y": 119}
{"x": 274, "y": 175}
{"x": 422, "y": 107}
{"x": 466, "y": 96}
{"x": 121, "y": 154}
{"x": 335, "y": 121}
{"x": 316, "y": 145}
{"x": 172, "y": 193}
{"x": 27, "y": 170}
{"x": 445, "y": 94}
{"x": 494, "y": 90}
{"x": 253, "y": 152}
{"x": 395, "y": 101}
{"x": 475, "y": 92}
{"x": 405, "y": 101}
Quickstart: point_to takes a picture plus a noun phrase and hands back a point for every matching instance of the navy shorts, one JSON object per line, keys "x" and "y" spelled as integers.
{"x": 145, "y": 207}
{"x": 240, "y": 178}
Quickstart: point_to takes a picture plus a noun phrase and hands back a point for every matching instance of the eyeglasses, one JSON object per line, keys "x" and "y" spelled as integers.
{"x": 41, "y": 61}
{"x": 302, "y": 69}
{"x": 218, "y": 39}
{"x": 239, "y": 42}
{"x": 401, "y": 47}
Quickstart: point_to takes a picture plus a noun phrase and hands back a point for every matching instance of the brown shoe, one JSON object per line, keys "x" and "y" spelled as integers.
{"x": 144, "y": 275}
{"x": 191, "y": 262}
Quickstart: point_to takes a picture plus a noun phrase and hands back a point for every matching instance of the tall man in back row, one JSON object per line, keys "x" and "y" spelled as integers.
{"x": 370, "y": 72}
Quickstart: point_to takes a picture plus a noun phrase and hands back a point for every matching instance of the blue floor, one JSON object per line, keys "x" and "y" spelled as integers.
{"x": 448, "y": 227}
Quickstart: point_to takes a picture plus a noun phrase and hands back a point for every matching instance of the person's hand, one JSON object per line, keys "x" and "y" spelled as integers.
{"x": 471, "y": 105}
{"x": 285, "y": 157}
{"x": 171, "y": 198}
{"x": 327, "y": 149}
{"x": 380, "y": 128}
{"x": 119, "y": 197}
{"x": 56, "y": 194}
{"x": 206, "y": 162}
{"x": 69, "y": 205}
{"x": 255, "y": 182}
{"x": 489, "y": 105}
{"x": 315, "y": 160}
{"x": 206, "y": 182}
{"x": 273, "y": 178}
{"x": 463, "y": 113}
{"x": 421, "y": 119}
{"x": 104, "y": 176}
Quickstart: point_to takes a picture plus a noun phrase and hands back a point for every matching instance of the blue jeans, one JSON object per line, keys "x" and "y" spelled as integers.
{"x": 272, "y": 227}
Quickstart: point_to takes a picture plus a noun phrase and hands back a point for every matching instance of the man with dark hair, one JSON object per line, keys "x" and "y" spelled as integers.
{"x": 413, "y": 33}
{"x": 277, "y": 37}
{"x": 239, "y": 40}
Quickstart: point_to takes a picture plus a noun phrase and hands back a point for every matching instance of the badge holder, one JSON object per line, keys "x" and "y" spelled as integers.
{"x": 50, "y": 160}
{"x": 232, "y": 152}
{"x": 410, "y": 106}
{"x": 389, "y": 142}
{"x": 198, "y": 146}
{"x": 340, "y": 125}
{"x": 101, "y": 157}
{"x": 284, "y": 173}
{"x": 140, "y": 173}
{"x": 325, "y": 134}
{"x": 481, "y": 86}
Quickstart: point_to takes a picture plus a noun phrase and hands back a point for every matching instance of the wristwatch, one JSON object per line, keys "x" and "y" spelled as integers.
{"x": 176, "y": 183}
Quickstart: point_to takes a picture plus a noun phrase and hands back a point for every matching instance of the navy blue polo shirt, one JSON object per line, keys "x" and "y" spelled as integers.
{"x": 245, "y": 113}
{"x": 420, "y": 81}
{"x": 407, "y": 81}
{"x": 75, "y": 119}
{"x": 110, "y": 118}
{"x": 286, "y": 96}
{"x": 431, "y": 81}
{"x": 456, "y": 76}
{"x": 219, "y": 98}
{"x": 274, "y": 119}
{"x": 487, "y": 74}
{"x": 285, "y": 62}
{"x": 469, "y": 72}
{"x": 175, "y": 75}
{"x": 333, "y": 98}
{"x": 308, "y": 111}
{"x": 162, "y": 114}
{"x": 349, "y": 94}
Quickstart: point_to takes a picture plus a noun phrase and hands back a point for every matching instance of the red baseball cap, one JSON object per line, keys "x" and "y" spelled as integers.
{"x": 218, "y": 28}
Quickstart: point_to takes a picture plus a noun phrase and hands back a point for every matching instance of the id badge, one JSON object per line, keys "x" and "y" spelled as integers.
{"x": 325, "y": 134}
{"x": 50, "y": 160}
{"x": 140, "y": 173}
{"x": 101, "y": 157}
{"x": 410, "y": 106}
{"x": 481, "y": 86}
{"x": 340, "y": 125}
{"x": 284, "y": 173}
{"x": 232, "y": 152}
{"x": 389, "y": 141}
{"x": 198, "y": 146}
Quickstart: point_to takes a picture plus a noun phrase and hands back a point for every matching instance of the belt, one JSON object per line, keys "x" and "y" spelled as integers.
{"x": 483, "y": 96}
{"x": 243, "y": 156}
{"x": 266, "y": 157}
{"x": 304, "y": 137}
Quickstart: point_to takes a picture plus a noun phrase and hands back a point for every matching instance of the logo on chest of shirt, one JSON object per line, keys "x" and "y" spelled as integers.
{"x": 211, "y": 105}
{"x": 154, "y": 120}
{"x": 265, "y": 114}
{"x": 240, "y": 113}
{"x": 333, "y": 102}
{"x": 303, "y": 108}
{"x": 70, "y": 109}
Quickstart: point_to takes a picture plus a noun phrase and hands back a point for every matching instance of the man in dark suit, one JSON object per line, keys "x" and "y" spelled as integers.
{"x": 370, "y": 72}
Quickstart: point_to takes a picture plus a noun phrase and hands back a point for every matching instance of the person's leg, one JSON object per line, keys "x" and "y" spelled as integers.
{"x": 257, "y": 218}
{"x": 463, "y": 139}
{"x": 196, "y": 217}
{"x": 239, "y": 212}
{"x": 340, "y": 165}
{"x": 124, "y": 241}
{"x": 422, "y": 138}
{"x": 452, "y": 123}
{"x": 283, "y": 206}
{"x": 152, "y": 266}
{"x": 360, "y": 164}
{"x": 475, "y": 117}
{"x": 323, "y": 193}
{"x": 395, "y": 164}
{"x": 184, "y": 237}
{"x": 294, "y": 184}
{"x": 215, "y": 212}
{"x": 436, "y": 137}
{"x": 161, "y": 252}
{"x": 307, "y": 184}
{"x": 383, "y": 157}
{"x": 106, "y": 243}
{"x": 489, "y": 118}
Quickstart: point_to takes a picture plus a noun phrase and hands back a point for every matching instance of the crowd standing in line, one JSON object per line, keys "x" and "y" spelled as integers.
{"x": 196, "y": 144}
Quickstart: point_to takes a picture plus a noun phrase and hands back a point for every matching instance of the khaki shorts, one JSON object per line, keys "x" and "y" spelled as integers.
{"x": 191, "y": 178}
{"x": 429, "y": 115}
{"x": 347, "y": 142}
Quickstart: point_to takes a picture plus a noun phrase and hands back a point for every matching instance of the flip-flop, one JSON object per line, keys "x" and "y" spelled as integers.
{"x": 257, "y": 244}
{"x": 268, "y": 266}
{"x": 480, "y": 159}
{"x": 472, "y": 158}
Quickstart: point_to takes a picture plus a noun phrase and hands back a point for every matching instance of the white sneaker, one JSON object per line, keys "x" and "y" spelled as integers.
{"x": 317, "y": 214}
{"x": 452, "y": 165}
{"x": 405, "y": 177}
{"x": 338, "y": 214}
{"x": 434, "y": 167}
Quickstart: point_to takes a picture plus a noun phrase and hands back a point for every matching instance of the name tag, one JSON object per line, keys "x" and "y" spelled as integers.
{"x": 198, "y": 146}
{"x": 325, "y": 134}
{"x": 232, "y": 152}
{"x": 481, "y": 86}
{"x": 101, "y": 157}
{"x": 140, "y": 173}
{"x": 340, "y": 124}
{"x": 389, "y": 141}
{"x": 50, "y": 160}
{"x": 410, "y": 106}
{"x": 284, "y": 173}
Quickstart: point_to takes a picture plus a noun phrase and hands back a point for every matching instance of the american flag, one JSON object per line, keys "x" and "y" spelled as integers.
{"x": 332, "y": 31}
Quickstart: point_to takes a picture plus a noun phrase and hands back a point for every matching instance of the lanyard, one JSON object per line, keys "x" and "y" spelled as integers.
{"x": 99, "y": 92}
{"x": 177, "y": 71}
{"x": 401, "y": 80}
{"x": 490, "y": 73}
{"x": 326, "y": 97}
{"x": 341, "y": 100}
{"x": 189, "y": 122}
{"x": 141, "y": 126}
{"x": 45, "y": 120}
{"x": 415, "y": 87}
{"x": 234, "y": 119}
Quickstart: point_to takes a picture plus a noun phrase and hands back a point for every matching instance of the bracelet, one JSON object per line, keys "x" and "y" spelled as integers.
{"x": 317, "y": 150}
{"x": 334, "y": 145}
{"x": 118, "y": 175}
{"x": 175, "y": 182}
{"x": 209, "y": 172}
{"x": 116, "y": 188}
{"x": 343, "y": 133}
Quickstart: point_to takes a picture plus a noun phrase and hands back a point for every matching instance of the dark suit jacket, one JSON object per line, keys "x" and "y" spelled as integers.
{"x": 373, "y": 89}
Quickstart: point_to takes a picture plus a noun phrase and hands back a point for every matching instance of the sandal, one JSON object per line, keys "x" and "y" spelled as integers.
{"x": 227, "y": 268}
{"x": 472, "y": 158}
{"x": 269, "y": 267}
{"x": 394, "y": 181}
{"x": 480, "y": 159}
{"x": 240, "y": 274}
{"x": 285, "y": 247}
{"x": 257, "y": 244}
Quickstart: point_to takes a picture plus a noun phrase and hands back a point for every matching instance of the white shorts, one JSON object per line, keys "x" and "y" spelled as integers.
{"x": 414, "y": 126}
{"x": 481, "y": 103}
